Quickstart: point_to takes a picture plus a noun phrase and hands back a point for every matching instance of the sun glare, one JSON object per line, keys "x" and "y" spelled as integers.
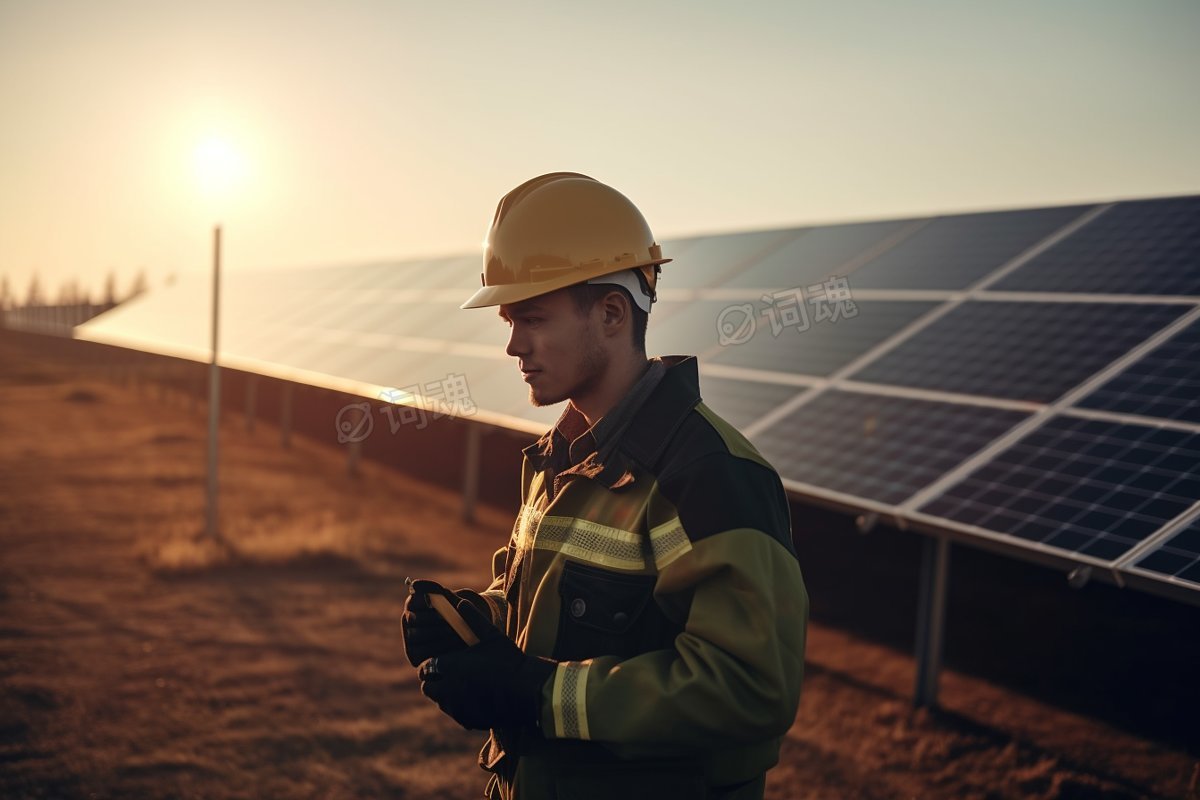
{"x": 220, "y": 166}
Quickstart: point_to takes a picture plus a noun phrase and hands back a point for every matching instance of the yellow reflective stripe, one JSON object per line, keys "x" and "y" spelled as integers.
{"x": 668, "y": 541}
{"x": 590, "y": 541}
{"x": 569, "y": 699}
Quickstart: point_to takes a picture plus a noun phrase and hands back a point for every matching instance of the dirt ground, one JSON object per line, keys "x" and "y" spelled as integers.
{"x": 136, "y": 660}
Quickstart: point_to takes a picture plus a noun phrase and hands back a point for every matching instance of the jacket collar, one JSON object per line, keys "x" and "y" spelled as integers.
{"x": 644, "y": 437}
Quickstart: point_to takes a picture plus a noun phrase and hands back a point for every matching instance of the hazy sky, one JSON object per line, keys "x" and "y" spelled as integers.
{"x": 371, "y": 130}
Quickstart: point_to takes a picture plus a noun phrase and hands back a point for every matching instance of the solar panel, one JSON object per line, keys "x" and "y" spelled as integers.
{"x": 351, "y": 285}
{"x": 386, "y": 366}
{"x": 293, "y": 298}
{"x": 742, "y": 402}
{"x": 456, "y": 272}
{"x": 1018, "y": 350}
{"x": 878, "y": 447}
{"x": 319, "y": 355}
{"x": 379, "y": 360}
{"x": 279, "y": 345}
{"x": 475, "y": 376}
{"x": 815, "y": 347}
{"x": 1095, "y": 482}
{"x": 409, "y": 319}
{"x": 954, "y": 252}
{"x": 676, "y": 248}
{"x": 1177, "y": 557}
{"x": 506, "y": 393}
{"x": 815, "y": 254}
{"x": 677, "y": 328}
{"x": 706, "y": 260}
{"x": 1085, "y": 486}
{"x": 453, "y": 272}
{"x": 1163, "y": 383}
{"x": 478, "y": 326}
{"x": 1138, "y": 247}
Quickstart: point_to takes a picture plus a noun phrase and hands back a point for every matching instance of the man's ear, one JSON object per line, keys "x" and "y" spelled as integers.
{"x": 616, "y": 311}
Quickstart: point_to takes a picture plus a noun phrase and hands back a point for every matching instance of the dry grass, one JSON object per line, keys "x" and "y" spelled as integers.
{"x": 140, "y": 659}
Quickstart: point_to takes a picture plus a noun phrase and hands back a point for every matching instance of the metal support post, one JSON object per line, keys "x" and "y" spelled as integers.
{"x": 214, "y": 391}
{"x": 931, "y": 618}
{"x": 471, "y": 471}
{"x": 251, "y": 399}
{"x": 285, "y": 418}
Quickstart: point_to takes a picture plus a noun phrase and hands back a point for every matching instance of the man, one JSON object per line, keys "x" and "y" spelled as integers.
{"x": 644, "y": 634}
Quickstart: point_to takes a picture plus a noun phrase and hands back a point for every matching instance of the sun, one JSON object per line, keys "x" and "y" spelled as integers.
{"x": 219, "y": 165}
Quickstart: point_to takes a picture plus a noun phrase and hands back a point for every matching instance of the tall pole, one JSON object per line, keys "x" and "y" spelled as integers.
{"x": 214, "y": 391}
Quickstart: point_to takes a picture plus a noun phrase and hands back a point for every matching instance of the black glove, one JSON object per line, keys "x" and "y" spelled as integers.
{"x": 492, "y": 684}
{"x": 426, "y": 634}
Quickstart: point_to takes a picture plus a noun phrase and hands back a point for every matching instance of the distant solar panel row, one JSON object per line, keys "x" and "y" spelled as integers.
{"x": 931, "y": 380}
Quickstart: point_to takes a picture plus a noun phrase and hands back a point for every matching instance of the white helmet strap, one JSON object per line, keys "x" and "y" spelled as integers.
{"x": 629, "y": 279}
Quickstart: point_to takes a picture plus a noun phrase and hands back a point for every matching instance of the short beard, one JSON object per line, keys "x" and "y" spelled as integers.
{"x": 594, "y": 363}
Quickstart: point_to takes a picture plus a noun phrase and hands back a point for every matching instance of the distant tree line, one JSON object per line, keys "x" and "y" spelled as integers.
{"x": 70, "y": 293}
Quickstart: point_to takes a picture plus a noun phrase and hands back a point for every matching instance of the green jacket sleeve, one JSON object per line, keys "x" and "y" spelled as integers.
{"x": 491, "y": 601}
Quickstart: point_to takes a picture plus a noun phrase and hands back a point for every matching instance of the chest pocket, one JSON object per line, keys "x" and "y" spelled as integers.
{"x": 607, "y": 613}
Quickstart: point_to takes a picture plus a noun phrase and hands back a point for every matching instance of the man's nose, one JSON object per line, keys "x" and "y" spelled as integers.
{"x": 517, "y": 345}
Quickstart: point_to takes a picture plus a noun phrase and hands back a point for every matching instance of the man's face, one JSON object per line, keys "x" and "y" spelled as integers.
{"x": 557, "y": 347}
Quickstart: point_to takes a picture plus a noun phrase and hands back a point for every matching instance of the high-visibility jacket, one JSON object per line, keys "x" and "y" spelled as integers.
{"x": 665, "y": 583}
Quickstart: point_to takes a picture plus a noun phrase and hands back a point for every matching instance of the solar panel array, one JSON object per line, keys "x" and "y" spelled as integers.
{"x": 1026, "y": 379}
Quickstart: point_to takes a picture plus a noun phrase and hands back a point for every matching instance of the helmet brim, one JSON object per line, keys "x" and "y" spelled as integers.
{"x": 504, "y": 293}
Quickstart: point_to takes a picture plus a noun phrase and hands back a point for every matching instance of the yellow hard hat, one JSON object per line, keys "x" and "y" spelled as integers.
{"x": 561, "y": 229}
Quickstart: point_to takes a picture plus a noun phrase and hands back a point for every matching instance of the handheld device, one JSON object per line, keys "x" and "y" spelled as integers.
{"x": 449, "y": 613}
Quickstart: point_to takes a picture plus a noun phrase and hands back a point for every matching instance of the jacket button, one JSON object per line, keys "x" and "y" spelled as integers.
{"x": 578, "y": 607}
{"x": 620, "y": 617}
